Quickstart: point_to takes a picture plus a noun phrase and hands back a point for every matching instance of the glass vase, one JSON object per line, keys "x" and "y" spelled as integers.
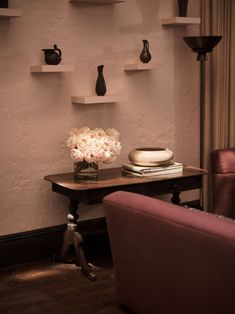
{"x": 84, "y": 170}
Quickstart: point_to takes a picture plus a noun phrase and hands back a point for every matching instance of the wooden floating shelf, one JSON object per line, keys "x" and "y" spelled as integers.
{"x": 140, "y": 66}
{"x": 178, "y": 20}
{"x": 7, "y": 13}
{"x": 96, "y": 99}
{"x": 51, "y": 68}
{"x": 98, "y": 1}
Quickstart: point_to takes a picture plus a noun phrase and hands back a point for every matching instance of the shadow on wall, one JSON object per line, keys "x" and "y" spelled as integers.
{"x": 186, "y": 97}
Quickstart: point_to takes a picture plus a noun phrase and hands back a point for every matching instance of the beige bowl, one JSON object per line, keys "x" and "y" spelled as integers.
{"x": 150, "y": 156}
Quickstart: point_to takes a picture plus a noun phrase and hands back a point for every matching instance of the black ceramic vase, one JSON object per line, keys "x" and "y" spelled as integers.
{"x": 52, "y": 56}
{"x": 183, "y": 6}
{"x": 3, "y": 3}
{"x": 145, "y": 55}
{"x": 100, "y": 86}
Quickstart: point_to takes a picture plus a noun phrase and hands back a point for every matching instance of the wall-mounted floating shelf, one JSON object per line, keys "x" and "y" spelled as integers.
{"x": 178, "y": 20}
{"x": 98, "y": 1}
{"x": 140, "y": 66}
{"x": 51, "y": 68}
{"x": 8, "y": 13}
{"x": 97, "y": 99}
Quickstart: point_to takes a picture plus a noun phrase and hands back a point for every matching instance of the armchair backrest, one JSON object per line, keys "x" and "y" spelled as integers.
{"x": 223, "y": 181}
{"x": 170, "y": 259}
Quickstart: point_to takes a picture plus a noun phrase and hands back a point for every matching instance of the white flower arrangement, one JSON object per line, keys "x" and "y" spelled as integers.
{"x": 94, "y": 145}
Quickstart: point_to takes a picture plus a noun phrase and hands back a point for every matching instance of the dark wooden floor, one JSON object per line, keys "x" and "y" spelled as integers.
{"x": 49, "y": 287}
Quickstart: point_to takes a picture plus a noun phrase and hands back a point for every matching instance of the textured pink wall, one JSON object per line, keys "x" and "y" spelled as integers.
{"x": 36, "y": 110}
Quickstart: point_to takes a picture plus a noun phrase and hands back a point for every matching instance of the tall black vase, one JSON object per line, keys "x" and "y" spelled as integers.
{"x": 100, "y": 87}
{"x": 3, "y": 3}
{"x": 183, "y": 6}
{"x": 145, "y": 55}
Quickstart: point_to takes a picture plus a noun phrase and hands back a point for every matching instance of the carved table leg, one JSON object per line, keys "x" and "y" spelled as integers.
{"x": 85, "y": 268}
{"x": 65, "y": 247}
{"x": 176, "y": 198}
{"x": 73, "y": 237}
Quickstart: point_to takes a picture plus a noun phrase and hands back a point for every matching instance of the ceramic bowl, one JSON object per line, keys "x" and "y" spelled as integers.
{"x": 150, "y": 156}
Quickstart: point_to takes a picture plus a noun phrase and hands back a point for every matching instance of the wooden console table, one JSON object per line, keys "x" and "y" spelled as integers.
{"x": 111, "y": 180}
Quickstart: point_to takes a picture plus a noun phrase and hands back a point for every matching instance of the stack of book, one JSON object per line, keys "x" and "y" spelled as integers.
{"x": 147, "y": 171}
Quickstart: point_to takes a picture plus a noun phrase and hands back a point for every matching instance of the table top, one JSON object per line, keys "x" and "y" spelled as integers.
{"x": 114, "y": 177}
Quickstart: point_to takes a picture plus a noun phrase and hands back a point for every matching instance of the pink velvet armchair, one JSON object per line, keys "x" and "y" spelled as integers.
{"x": 223, "y": 181}
{"x": 170, "y": 259}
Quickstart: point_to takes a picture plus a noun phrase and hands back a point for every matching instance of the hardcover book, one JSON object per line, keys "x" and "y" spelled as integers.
{"x": 143, "y": 171}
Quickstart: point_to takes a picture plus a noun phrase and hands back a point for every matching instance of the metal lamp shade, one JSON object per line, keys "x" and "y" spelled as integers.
{"x": 202, "y": 44}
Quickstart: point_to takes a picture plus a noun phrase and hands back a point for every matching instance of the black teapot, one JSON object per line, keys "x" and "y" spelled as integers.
{"x": 52, "y": 56}
{"x": 3, "y": 3}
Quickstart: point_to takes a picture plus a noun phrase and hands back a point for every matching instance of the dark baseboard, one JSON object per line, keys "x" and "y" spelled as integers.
{"x": 41, "y": 243}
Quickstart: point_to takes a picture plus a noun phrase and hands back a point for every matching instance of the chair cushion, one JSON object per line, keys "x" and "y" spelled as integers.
{"x": 170, "y": 259}
{"x": 223, "y": 161}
